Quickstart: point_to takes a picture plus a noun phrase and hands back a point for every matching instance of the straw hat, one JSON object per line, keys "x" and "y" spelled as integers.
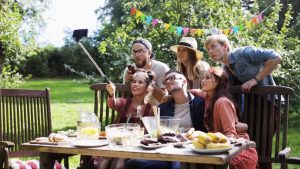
{"x": 188, "y": 42}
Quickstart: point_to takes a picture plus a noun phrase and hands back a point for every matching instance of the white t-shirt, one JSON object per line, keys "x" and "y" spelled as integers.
{"x": 182, "y": 111}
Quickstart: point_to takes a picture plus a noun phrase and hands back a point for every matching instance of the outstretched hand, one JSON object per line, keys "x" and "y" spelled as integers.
{"x": 111, "y": 88}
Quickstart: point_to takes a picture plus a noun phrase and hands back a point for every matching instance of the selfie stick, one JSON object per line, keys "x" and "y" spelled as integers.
{"x": 78, "y": 34}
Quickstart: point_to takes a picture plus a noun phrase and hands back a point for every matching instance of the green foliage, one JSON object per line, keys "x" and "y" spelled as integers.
{"x": 115, "y": 40}
{"x": 10, "y": 78}
{"x": 10, "y": 20}
{"x": 15, "y": 44}
{"x": 68, "y": 60}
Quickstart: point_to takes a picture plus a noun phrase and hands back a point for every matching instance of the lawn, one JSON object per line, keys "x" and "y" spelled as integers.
{"x": 68, "y": 97}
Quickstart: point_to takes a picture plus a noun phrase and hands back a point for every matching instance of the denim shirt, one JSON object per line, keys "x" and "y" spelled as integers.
{"x": 247, "y": 61}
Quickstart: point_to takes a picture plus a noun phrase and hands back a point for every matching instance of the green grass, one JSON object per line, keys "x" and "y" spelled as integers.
{"x": 63, "y": 90}
{"x": 68, "y": 97}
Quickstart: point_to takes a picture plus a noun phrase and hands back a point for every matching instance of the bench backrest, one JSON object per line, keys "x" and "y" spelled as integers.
{"x": 265, "y": 110}
{"x": 106, "y": 115}
{"x": 24, "y": 116}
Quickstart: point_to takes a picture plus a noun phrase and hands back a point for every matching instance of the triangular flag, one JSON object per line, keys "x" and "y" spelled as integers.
{"x": 132, "y": 11}
{"x": 226, "y": 32}
{"x": 143, "y": 17}
{"x": 199, "y": 32}
{"x": 148, "y": 19}
{"x": 172, "y": 29}
{"x": 241, "y": 27}
{"x": 138, "y": 14}
{"x": 248, "y": 25}
{"x": 154, "y": 22}
{"x": 255, "y": 20}
{"x": 185, "y": 31}
{"x": 167, "y": 26}
{"x": 260, "y": 17}
{"x": 214, "y": 31}
{"x": 179, "y": 30}
{"x": 193, "y": 31}
{"x": 235, "y": 29}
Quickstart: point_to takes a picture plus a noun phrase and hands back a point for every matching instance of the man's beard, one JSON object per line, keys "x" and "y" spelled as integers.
{"x": 141, "y": 65}
{"x": 174, "y": 90}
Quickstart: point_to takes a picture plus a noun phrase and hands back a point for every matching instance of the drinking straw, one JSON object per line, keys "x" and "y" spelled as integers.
{"x": 156, "y": 112}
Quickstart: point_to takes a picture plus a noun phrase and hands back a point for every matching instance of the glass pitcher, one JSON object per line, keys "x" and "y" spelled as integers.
{"x": 87, "y": 126}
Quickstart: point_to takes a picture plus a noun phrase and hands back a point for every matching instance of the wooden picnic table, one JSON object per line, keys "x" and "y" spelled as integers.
{"x": 48, "y": 153}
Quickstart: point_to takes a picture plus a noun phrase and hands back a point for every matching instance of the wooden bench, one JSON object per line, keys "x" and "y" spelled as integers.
{"x": 265, "y": 107}
{"x": 24, "y": 116}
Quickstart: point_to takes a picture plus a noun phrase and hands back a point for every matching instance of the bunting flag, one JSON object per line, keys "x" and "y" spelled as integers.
{"x": 185, "y": 31}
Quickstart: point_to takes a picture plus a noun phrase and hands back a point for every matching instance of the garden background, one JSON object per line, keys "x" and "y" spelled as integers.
{"x": 26, "y": 64}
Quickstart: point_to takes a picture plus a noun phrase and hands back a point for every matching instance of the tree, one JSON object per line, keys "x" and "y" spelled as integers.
{"x": 10, "y": 44}
{"x": 19, "y": 21}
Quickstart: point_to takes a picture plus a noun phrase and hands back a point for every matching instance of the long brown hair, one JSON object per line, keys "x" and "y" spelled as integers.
{"x": 191, "y": 72}
{"x": 221, "y": 90}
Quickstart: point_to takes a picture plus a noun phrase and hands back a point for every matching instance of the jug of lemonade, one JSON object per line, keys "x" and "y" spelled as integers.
{"x": 87, "y": 126}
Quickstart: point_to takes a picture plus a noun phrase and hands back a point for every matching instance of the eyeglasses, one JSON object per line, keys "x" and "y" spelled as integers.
{"x": 170, "y": 79}
{"x": 139, "y": 52}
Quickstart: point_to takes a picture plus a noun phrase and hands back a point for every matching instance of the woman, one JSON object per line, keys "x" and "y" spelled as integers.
{"x": 141, "y": 83}
{"x": 221, "y": 116}
{"x": 142, "y": 80}
{"x": 189, "y": 61}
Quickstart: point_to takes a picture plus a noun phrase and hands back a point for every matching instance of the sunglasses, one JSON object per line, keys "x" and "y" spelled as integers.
{"x": 170, "y": 79}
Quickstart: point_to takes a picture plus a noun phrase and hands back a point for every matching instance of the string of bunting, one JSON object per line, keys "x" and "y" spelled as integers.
{"x": 181, "y": 30}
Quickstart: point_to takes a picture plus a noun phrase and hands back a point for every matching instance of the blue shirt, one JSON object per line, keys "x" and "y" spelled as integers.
{"x": 247, "y": 61}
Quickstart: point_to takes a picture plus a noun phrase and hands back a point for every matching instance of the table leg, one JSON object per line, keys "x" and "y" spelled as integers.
{"x": 47, "y": 160}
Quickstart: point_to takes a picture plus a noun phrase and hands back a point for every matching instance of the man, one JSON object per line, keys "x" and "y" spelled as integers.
{"x": 247, "y": 66}
{"x": 183, "y": 105}
{"x": 144, "y": 58}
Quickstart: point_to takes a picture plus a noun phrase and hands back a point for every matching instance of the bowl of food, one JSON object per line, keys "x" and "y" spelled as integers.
{"x": 168, "y": 124}
{"x": 121, "y": 134}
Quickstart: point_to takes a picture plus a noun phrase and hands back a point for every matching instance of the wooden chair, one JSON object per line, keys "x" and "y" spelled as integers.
{"x": 24, "y": 116}
{"x": 106, "y": 115}
{"x": 266, "y": 126}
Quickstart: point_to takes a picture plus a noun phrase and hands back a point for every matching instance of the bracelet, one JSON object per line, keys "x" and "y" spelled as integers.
{"x": 255, "y": 78}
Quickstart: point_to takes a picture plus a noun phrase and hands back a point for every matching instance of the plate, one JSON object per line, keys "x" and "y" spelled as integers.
{"x": 102, "y": 137}
{"x": 89, "y": 143}
{"x": 44, "y": 142}
{"x": 153, "y": 146}
{"x": 208, "y": 151}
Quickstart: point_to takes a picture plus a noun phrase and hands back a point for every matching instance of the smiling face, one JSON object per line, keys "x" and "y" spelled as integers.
{"x": 209, "y": 82}
{"x": 141, "y": 55}
{"x": 182, "y": 54}
{"x": 174, "y": 81}
{"x": 139, "y": 85}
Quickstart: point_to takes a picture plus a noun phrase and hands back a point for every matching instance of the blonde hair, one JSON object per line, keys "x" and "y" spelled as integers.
{"x": 220, "y": 38}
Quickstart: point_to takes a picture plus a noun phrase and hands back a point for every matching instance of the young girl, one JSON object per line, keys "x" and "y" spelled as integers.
{"x": 221, "y": 116}
{"x": 142, "y": 80}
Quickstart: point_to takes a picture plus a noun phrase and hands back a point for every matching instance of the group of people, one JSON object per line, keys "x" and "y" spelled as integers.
{"x": 195, "y": 92}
